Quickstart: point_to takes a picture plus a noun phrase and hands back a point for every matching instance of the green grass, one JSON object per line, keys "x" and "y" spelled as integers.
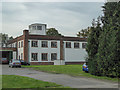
{"x": 15, "y": 81}
{"x": 73, "y": 70}
{"x": 0, "y": 82}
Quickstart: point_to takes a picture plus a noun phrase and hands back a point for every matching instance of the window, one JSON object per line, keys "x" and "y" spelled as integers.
{"x": 44, "y": 44}
{"x": 44, "y": 57}
{"x": 11, "y": 45}
{"x": 83, "y": 45}
{"x": 54, "y": 44}
{"x": 39, "y": 27}
{"x": 68, "y": 44}
{"x": 21, "y": 43}
{"x": 15, "y": 44}
{"x": 34, "y": 44}
{"x": 19, "y": 57}
{"x": 22, "y": 56}
{"x": 34, "y": 27}
{"x": 34, "y": 56}
{"x": 53, "y": 56}
{"x": 76, "y": 45}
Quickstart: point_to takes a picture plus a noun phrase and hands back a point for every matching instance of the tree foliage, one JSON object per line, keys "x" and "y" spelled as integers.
{"x": 4, "y": 38}
{"x": 53, "y": 32}
{"x": 103, "y": 43}
{"x": 84, "y": 32}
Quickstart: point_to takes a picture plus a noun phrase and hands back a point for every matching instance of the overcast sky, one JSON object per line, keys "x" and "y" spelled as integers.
{"x": 67, "y": 18}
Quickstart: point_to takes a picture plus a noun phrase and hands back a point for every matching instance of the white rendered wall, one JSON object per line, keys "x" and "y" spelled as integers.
{"x": 40, "y": 50}
{"x": 20, "y": 50}
{"x": 74, "y": 54}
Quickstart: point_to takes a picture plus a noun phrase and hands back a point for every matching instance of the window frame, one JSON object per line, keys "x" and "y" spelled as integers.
{"x": 67, "y": 46}
{"x": 34, "y": 28}
{"x": 21, "y": 56}
{"x": 36, "y": 57}
{"x": 52, "y": 42}
{"x": 46, "y": 46}
{"x": 21, "y": 43}
{"x": 32, "y": 44}
{"x": 75, "y": 45}
{"x": 84, "y": 44}
{"x": 52, "y": 59}
{"x": 42, "y": 57}
{"x": 40, "y": 28}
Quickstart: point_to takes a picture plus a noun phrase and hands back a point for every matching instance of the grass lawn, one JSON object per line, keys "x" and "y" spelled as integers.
{"x": 15, "y": 81}
{"x": 73, "y": 70}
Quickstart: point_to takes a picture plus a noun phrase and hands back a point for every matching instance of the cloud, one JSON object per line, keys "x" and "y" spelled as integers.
{"x": 54, "y": 0}
{"x": 68, "y": 18}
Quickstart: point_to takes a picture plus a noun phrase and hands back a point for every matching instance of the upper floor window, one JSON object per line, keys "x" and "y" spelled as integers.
{"x": 84, "y": 45}
{"x": 54, "y": 44}
{"x": 44, "y": 56}
{"x": 34, "y": 27}
{"x": 21, "y": 43}
{"x": 53, "y": 56}
{"x": 34, "y": 43}
{"x": 39, "y": 27}
{"x": 68, "y": 44}
{"x": 34, "y": 56}
{"x": 76, "y": 45}
{"x": 44, "y": 44}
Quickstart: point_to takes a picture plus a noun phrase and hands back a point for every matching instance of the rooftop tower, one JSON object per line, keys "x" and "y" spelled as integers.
{"x": 37, "y": 29}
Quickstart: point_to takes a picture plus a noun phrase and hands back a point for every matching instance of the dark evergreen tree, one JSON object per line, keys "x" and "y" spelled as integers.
{"x": 92, "y": 47}
{"x": 103, "y": 55}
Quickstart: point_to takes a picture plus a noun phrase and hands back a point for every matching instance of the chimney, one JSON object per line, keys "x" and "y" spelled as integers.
{"x": 25, "y": 48}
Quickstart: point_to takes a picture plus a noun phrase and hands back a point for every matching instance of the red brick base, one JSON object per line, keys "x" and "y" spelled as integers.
{"x": 70, "y": 63}
{"x": 52, "y": 63}
{"x": 42, "y": 63}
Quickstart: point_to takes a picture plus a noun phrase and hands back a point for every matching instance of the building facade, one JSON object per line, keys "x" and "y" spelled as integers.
{"x": 35, "y": 47}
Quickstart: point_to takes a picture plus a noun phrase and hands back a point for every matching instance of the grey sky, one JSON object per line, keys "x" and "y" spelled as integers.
{"x": 68, "y": 18}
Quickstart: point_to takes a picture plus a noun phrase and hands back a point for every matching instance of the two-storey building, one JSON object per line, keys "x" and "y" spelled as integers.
{"x": 37, "y": 48}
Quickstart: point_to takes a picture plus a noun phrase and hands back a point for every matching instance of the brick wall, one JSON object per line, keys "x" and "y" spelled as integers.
{"x": 42, "y": 63}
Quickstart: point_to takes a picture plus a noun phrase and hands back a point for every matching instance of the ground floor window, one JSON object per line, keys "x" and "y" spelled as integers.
{"x": 84, "y": 45}
{"x": 22, "y": 56}
{"x": 44, "y": 57}
{"x": 34, "y": 56}
{"x": 53, "y": 56}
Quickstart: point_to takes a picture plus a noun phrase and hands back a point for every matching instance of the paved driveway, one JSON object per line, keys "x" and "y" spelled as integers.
{"x": 65, "y": 80}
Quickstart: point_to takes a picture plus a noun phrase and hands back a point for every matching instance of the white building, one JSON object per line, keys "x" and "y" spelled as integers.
{"x": 35, "y": 47}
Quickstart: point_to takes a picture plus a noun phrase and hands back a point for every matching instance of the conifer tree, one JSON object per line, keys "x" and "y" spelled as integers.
{"x": 103, "y": 54}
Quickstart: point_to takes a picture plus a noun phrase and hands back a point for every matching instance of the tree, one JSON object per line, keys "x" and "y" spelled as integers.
{"x": 4, "y": 38}
{"x": 10, "y": 38}
{"x": 53, "y": 32}
{"x": 92, "y": 46}
{"x": 103, "y": 43}
{"x": 84, "y": 32}
{"x": 109, "y": 47}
